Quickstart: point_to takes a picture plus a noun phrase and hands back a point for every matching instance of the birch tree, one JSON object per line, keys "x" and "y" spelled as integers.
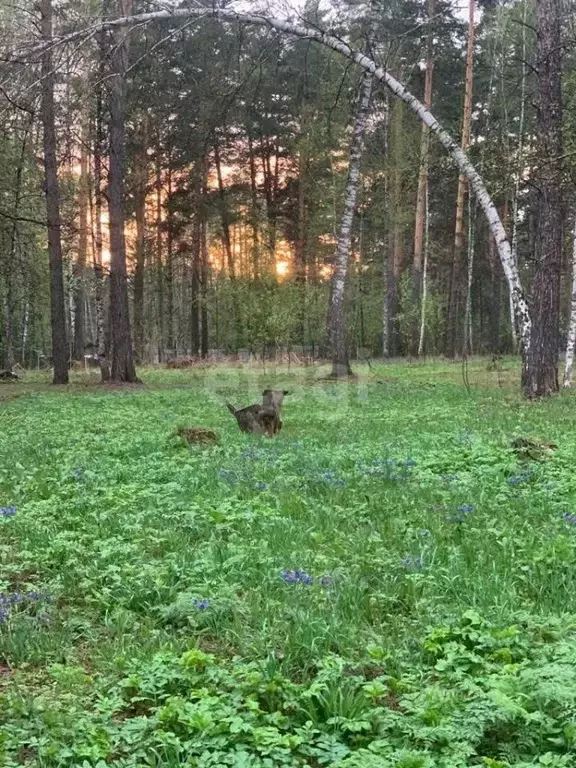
{"x": 340, "y": 363}
{"x": 419, "y": 224}
{"x": 571, "y": 341}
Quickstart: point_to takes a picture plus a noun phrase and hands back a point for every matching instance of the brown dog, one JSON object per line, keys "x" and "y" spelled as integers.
{"x": 272, "y": 400}
{"x": 261, "y": 419}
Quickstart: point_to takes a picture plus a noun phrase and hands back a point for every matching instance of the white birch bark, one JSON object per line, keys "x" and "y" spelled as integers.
{"x": 571, "y": 342}
{"x": 424, "y": 272}
{"x": 519, "y": 170}
{"x": 398, "y": 89}
{"x": 468, "y": 312}
{"x": 340, "y": 365}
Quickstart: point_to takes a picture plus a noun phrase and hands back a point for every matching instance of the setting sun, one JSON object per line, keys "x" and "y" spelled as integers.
{"x": 282, "y": 268}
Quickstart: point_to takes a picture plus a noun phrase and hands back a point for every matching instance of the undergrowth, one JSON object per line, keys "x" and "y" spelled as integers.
{"x": 383, "y": 585}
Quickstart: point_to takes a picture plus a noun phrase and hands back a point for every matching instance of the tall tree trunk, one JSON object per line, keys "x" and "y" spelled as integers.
{"x": 8, "y": 353}
{"x": 424, "y": 294}
{"x": 541, "y": 365}
{"x": 300, "y": 245}
{"x": 571, "y": 340}
{"x": 396, "y": 258}
{"x": 384, "y": 245}
{"x": 98, "y": 265}
{"x": 227, "y": 242}
{"x": 195, "y": 258}
{"x": 169, "y": 262}
{"x": 455, "y": 300}
{"x": 141, "y": 184}
{"x": 519, "y": 172}
{"x": 122, "y": 357}
{"x": 254, "y": 213}
{"x": 467, "y": 328}
{"x": 205, "y": 270}
{"x": 340, "y": 364}
{"x": 495, "y": 291}
{"x": 422, "y": 190}
{"x": 140, "y": 210}
{"x": 82, "y": 256}
{"x": 159, "y": 256}
{"x": 57, "y": 304}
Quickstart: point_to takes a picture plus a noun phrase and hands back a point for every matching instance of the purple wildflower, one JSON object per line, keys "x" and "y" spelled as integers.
{"x": 8, "y": 511}
{"x": 413, "y": 563}
{"x": 202, "y": 604}
{"x": 297, "y": 577}
{"x": 465, "y": 509}
{"x": 571, "y": 519}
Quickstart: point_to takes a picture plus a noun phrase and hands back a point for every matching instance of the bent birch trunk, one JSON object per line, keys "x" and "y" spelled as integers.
{"x": 340, "y": 364}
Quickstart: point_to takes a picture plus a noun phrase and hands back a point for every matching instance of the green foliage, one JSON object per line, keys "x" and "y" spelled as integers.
{"x": 381, "y": 586}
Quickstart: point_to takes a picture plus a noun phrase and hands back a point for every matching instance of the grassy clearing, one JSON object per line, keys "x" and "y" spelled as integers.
{"x": 382, "y": 585}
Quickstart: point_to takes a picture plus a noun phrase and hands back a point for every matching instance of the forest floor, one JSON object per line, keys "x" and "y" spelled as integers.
{"x": 383, "y": 585}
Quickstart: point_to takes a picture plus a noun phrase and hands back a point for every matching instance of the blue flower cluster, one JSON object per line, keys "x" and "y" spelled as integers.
{"x": 521, "y": 477}
{"x": 462, "y": 512}
{"x": 8, "y": 511}
{"x": 449, "y": 478}
{"x": 230, "y": 476}
{"x": 328, "y": 477}
{"x": 413, "y": 563}
{"x": 571, "y": 519}
{"x": 9, "y": 601}
{"x": 297, "y": 576}
{"x": 202, "y": 604}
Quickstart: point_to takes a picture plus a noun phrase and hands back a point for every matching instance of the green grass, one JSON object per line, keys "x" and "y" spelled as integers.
{"x": 168, "y": 631}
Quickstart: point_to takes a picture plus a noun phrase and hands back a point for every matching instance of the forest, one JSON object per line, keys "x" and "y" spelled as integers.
{"x": 287, "y": 333}
{"x": 192, "y": 183}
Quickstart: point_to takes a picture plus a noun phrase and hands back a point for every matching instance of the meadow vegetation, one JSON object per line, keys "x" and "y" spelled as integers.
{"x": 385, "y": 584}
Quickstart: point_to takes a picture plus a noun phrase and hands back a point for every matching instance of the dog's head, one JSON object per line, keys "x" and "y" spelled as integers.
{"x": 274, "y": 397}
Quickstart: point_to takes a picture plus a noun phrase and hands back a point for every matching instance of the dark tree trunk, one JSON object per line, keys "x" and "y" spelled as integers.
{"x": 540, "y": 371}
{"x": 139, "y": 274}
{"x": 141, "y": 184}
{"x": 97, "y": 218}
{"x": 205, "y": 272}
{"x": 80, "y": 266}
{"x": 159, "y": 249}
{"x": 169, "y": 263}
{"x": 495, "y": 296}
{"x": 224, "y": 215}
{"x": 7, "y": 356}
{"x": 300, "y": 245}
{"x": 122, "y": 357}
{"x": 227, "y": 242}
{"x": 254, "y": 215}
{"x": 57, "y": 306}
{"x": 204, "y": 338}
{"x": 195, "y": 256}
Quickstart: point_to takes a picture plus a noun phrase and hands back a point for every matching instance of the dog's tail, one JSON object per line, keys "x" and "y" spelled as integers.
{"x": 231, "y": 409}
